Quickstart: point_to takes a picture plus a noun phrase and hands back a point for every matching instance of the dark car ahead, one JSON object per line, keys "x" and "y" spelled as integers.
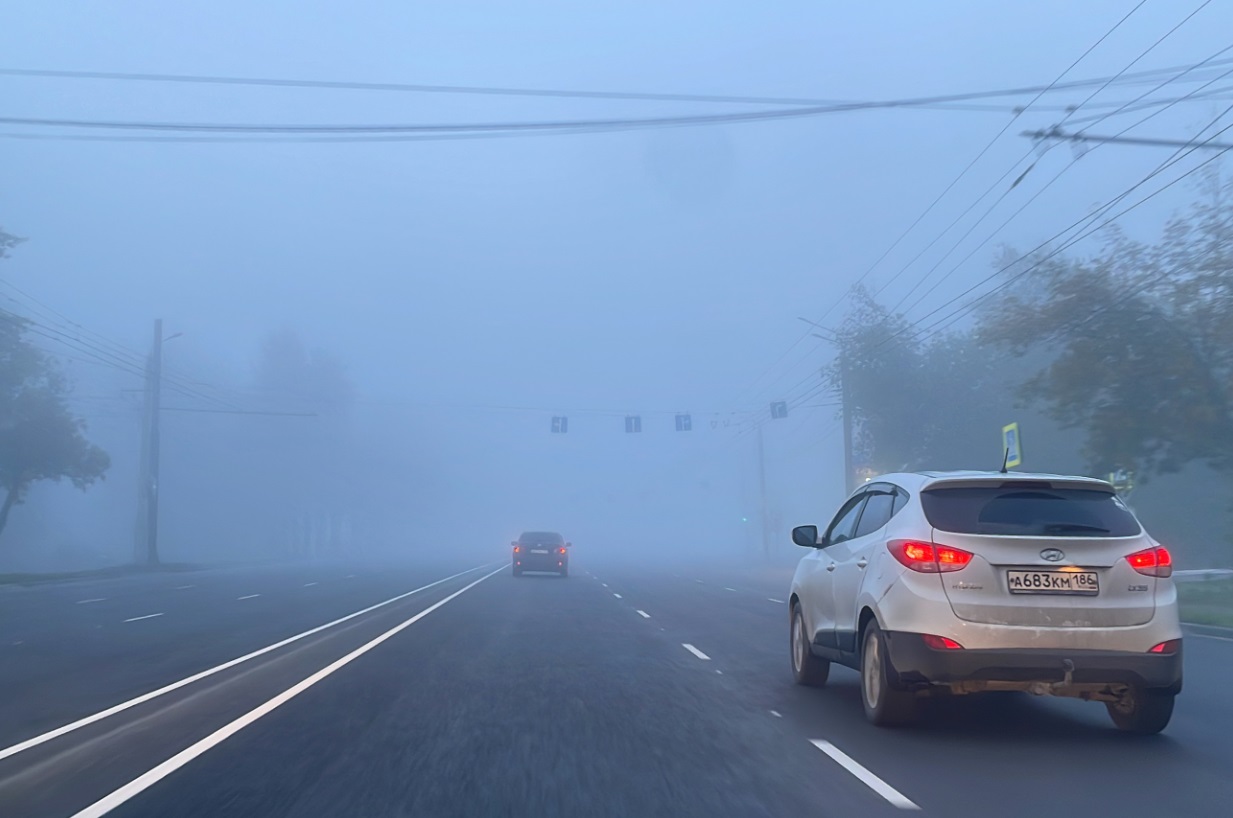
{"x": 541, "y": 551}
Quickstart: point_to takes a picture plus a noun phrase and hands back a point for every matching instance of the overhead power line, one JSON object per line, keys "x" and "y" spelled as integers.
{"x": 1053, "y": 133}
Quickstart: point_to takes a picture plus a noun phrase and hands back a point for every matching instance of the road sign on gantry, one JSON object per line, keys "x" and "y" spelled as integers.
{"x": 1012, "y": 445}
{"x": 779, "y": 410}
{"x": 560, "y": 425}
{"x": 684, "y": 423}
{"x": 633, "y": 424}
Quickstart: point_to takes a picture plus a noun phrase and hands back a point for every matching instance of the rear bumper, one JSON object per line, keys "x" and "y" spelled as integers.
{"x": 917, "y": 664}
{"x": 540, "y": 562}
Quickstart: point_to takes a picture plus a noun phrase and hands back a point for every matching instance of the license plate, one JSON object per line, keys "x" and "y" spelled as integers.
{"x": 539, "y": 550}
{"x": 1085, "y": 583}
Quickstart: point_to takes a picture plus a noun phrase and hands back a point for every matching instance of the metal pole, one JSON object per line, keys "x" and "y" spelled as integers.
{"x": 849, "y": 474}
{"x": 762, "y": 514}
{"x": 156, "y": 382}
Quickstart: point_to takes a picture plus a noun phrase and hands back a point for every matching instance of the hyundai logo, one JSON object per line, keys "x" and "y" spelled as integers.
{"x": 1052, "y": 555}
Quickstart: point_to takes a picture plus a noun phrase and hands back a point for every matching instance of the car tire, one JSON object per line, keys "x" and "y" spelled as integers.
{"x": 886, "y": 705}
{"x": 1143, "y": 712}
{"x": 807, "y": 669}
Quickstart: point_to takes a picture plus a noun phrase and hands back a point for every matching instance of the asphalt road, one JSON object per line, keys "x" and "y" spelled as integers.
{"x": 459, "y": 690}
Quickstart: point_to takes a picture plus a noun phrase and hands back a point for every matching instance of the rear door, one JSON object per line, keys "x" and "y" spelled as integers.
{"x": 817, "y": 578}
{"x": 1044, "y": 554}
{"x": 853, "y": 556}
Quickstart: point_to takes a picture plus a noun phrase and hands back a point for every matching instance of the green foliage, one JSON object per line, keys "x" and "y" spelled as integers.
{"x": 1139, "y": 342}
{"x": 40, "y": 439}
{"x": 937, "y": 405}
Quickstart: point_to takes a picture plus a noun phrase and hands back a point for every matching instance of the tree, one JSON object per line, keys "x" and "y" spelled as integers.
{"x": 40, "y": 439}
{"x": 7, "y": 242}
{"x": 1138, "y": 341}
{"x": 935, "y": 404}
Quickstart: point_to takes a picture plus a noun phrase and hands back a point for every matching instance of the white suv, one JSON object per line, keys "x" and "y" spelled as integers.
{"x": 963, "y": 582}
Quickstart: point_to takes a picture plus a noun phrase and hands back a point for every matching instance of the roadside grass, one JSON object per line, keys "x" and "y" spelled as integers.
{"x": 1207, "y": 603}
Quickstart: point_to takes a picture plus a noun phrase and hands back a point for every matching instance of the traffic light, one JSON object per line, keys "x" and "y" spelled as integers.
{"x": 684, "y": 423}
{"x": 560, "y": 425}
{"x": 633, "y": 424}
{"x": 779, "y": 410}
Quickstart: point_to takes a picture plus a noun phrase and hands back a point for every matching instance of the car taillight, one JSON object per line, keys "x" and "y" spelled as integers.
{"x": 1167, "y": 648}
{"x": 1152, "y": 562}
{"x": 928, "y": 558}
{"x": 941, "y": 642}
{"x": 560, "y": 550}
{"x": 517, "y": 549}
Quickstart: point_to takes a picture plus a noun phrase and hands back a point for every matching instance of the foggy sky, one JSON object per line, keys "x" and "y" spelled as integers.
{"x": 626, "y": 272}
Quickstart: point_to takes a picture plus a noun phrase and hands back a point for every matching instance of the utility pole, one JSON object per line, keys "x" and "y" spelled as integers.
{"x": 147, "y": 521}
{"x": 849, "y": 473}
{"x": 763, "y": 517}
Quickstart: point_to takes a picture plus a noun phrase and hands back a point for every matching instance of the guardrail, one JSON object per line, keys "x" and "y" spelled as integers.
{"x": 1203, "y": 574}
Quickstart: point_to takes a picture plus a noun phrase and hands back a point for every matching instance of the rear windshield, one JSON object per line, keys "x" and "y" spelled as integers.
{"x": 541, "y": 538}
{"x": 1029, "y": 511}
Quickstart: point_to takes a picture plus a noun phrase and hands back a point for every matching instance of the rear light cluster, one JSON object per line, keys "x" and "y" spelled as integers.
{"x": 517, "y": 549}
{"x": 941, "y": 642}
{"x": 560, "y": 550}
{"x": 1167, "y": 648}
{"x": 928, "y": 558}
{"x": 1152, "y": 562}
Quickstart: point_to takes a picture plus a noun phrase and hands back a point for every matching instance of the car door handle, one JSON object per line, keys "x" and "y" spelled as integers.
{"x": 861, "y": 564}
{"x": 830, "y": 567}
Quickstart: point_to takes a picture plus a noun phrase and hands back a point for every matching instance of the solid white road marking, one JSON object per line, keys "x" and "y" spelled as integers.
{"x": 777, "y": 714}
{"x": 695, "y": 651}
{"x": 309, "y": 584}
{"x": 250, "y": 596}
{"x": 867, "y": 778}
{"x": 154, "y": 694}
{"x": 184, "y": 587}
{"x": 644, "y": 614}
{"x": 1209, "y": 636}
{"x": 618, "y": 596}
{"x": 776, "y": 601}
{"x": 88, "y": 601}
{"x": 139, "y": 618}
{"x": 153, "y": 776}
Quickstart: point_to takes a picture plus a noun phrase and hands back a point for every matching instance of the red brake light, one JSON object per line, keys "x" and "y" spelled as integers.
{"x": 560, "y": 550}
{"x": 517, "y": 549}
{"x": 927, "y": 558}
{"x": 1152, "y": 562}
{"x": 941, "y": 642}
{"x": 1167, "y": 648}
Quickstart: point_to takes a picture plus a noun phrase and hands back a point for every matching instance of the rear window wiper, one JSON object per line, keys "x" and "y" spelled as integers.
{"x": 1059, "y": 528}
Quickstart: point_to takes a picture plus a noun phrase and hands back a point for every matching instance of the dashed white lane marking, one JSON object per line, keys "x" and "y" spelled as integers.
{"x": 184, "y": 587}
{"x": 154, "y": 694}
{"x": 618, "y": 596}
{"x": 698, "y": 581}
{"x": 867, "y": 778}
{"x": 720, "y": 672}
{"x": 733, "y": 590}
{"x": 250, "y": 596}
{"x": 139, "y": 618}
{"x": 777, "y": 714}
{"x": 349, "y": 576}
{"x": 309, "y": 584}
{"x": 88, "y": 601}
{"x": 695, "y": 651}
{"x": 644, "y": 614}
{"x": 776, "y": 601}
{"x": 604, "y": 584}
{"x": 109, "y": 802}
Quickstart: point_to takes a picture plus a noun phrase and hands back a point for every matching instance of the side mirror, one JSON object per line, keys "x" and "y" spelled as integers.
{"x": 805, "y": 536}
{"x": 514, "y": 543}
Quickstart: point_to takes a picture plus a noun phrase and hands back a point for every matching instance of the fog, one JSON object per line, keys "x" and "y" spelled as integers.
{"x": 374, "y": 336}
